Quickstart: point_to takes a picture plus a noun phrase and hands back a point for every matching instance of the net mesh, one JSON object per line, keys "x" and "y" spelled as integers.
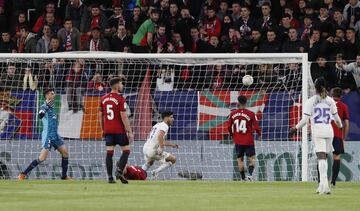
{"x": 200, "y": 91}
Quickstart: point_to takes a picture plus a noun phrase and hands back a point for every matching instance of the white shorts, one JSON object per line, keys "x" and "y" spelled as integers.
{"x": 150, "y": 155}
{"x": 323, "y": 144}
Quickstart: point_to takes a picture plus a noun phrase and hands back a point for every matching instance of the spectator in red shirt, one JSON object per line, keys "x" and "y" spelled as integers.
{"x": 50, "y": 21}
{"x": 293, "y": 22}
{"x": 50, "y": 8}
{"x": 212, "y": 23}
{"x": 96, "y": 19}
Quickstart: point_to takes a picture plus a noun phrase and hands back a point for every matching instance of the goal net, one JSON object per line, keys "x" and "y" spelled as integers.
{"x": 200, "y": 89}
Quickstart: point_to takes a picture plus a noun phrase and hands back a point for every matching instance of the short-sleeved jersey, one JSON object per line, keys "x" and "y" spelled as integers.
{"x": 152, "y": 140}
{"x": 320, "y": 111}
{"x": 135, "y": 173}
{"x": 111, "y": 105}
{"x": 241, "y": 124}
{"x": 140, "y": 38}
{"x": 343, "y": 114}
{"x": 49, "y": 121}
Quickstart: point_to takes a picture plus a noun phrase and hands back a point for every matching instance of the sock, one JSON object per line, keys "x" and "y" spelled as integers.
{"x": 318, "y": 173}
{"x": 251, "y": 170}
{"x": 323, "y": 167}
{"x": 109, "y": 162}
{"x": 64, "y": 166}
{"x": 145, "y": 167}
{"x": 123, "y": 160}
{"x": 163, "y": 167}
{"x": 242, "y": 173}
{"x": 335, "y": 170}
{"x": 32, "y": 165}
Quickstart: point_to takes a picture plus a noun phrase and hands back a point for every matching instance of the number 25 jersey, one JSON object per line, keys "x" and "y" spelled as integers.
{"x": 321, "y": 111}
{"x": 111, "y": 105}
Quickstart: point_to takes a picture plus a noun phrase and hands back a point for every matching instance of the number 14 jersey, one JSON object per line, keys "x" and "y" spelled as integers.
{"x": 111, "y": 105}
{"x": 321, "y": 112}
{"x": 241, "y": 125}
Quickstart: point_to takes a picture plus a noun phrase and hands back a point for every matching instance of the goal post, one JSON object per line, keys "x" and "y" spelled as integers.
{"x": 200, "y": 89}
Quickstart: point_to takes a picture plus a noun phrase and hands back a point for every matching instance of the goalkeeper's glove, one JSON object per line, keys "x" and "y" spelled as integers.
{"x": 293, "y": 131}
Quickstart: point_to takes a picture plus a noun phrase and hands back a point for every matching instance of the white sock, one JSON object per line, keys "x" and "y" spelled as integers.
{"x": 323, "y": 167}
{"x": 163, "y": 167}
{"x": 145, "y": 167}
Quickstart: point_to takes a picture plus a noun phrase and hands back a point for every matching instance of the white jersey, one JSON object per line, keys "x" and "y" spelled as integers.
{"x": 152, "y": 140}
{"x": 321, "y": 112}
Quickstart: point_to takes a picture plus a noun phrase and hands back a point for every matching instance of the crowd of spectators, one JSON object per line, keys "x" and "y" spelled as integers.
{"x": 328, "y": 30}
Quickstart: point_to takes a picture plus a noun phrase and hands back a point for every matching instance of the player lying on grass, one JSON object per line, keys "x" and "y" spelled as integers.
{"x": 339, "y": 135}
{"x": 319, "y": 108}
{"x": 50, "y": 137}
{"x": 131, "y": 172}
{"x": 116, "y": 128}
{"x": 154, "y": 146}
{"x": 241, "y": 125}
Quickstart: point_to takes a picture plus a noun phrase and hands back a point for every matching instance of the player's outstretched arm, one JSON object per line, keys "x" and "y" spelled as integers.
{"x": 300, "y": 125}
{"x": 167, "y": 144}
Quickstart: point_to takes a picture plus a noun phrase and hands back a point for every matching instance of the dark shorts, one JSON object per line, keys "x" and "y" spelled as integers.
{"x": 338, "y": 145}
{"x": 242, "y": 150}
{"x": 116, "y": 139}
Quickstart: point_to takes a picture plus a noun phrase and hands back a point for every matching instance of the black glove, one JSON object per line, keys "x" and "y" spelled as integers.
{"x": 292, "y": 131}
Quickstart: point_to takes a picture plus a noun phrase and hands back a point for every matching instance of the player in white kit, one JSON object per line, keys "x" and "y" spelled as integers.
{"x": 320, "y": 108}
{"x": 154, "y": 146}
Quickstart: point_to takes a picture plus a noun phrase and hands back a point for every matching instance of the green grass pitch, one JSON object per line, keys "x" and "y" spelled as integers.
{"x": 174, "y": 195}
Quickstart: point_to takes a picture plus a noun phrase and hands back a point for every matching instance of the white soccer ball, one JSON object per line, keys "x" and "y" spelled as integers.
{"x": 247, "y": 80}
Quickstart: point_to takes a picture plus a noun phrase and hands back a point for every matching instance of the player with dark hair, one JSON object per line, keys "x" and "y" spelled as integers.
{"x": 50, "y": 137}
{"x": 116, "y": 128}
{"x": 339, "y": 135}
{"x": 241, "y": 125}
{"x": 154, "y": 146}
{"x": 320, "y": 108}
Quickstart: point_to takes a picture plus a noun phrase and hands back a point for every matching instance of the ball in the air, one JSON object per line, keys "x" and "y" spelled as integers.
{"x": 247, "y": 80}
